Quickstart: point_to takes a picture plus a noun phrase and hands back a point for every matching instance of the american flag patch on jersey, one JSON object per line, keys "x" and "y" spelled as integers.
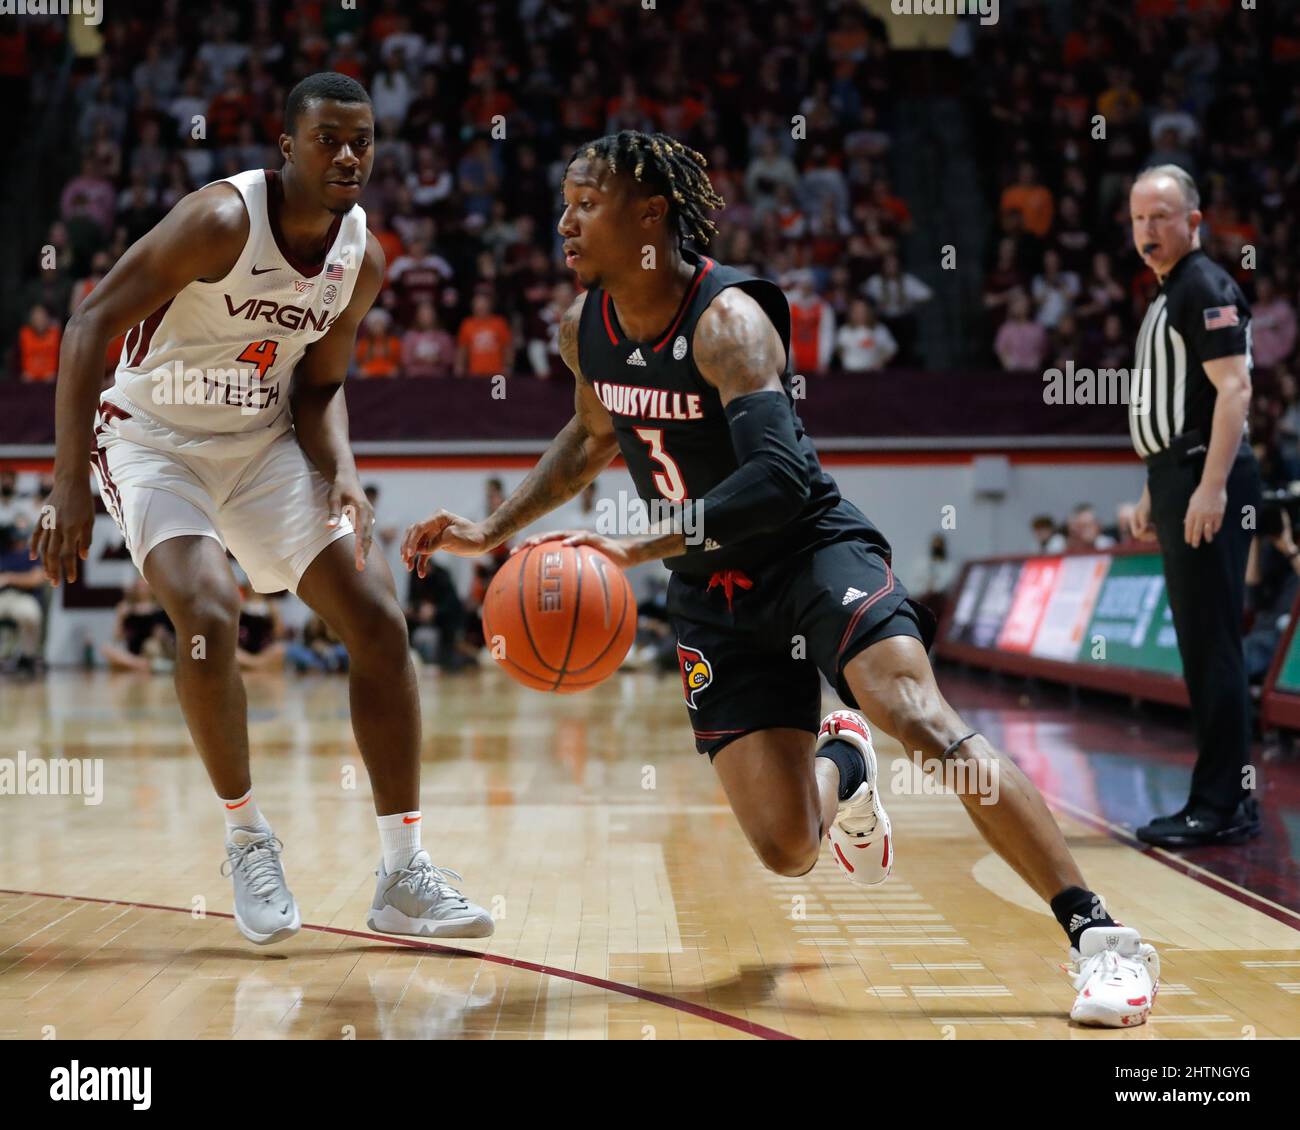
{"x": 334, "y": 271}
{"x": 1220, "y": 317}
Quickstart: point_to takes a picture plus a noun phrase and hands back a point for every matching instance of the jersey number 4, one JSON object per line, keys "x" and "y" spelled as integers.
{"x": 261, "y": 354}
{"x": 669, "y": 480}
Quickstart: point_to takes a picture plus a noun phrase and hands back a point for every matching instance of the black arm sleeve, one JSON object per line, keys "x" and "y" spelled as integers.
{"x": 772, "y": 481}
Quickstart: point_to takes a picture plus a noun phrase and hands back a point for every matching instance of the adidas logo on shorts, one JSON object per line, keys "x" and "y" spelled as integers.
{"x": 852, "y": 595}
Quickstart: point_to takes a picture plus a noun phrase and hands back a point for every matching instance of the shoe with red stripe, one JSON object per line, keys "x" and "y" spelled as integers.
{"x": 1117, "y": 976}
{"x": 862, "y": 841}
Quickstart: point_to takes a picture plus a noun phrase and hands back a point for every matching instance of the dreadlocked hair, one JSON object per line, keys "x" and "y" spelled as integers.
{"x": 666, "y": 167}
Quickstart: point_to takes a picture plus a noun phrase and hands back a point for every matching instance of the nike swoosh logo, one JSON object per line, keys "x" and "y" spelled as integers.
{"x": 263, "y": 270}
{"x": 239, "y": 805}
{"x": 409, "y": 820}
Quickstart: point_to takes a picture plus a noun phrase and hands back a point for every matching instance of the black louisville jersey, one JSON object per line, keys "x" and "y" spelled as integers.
{"x": 674, "y": 434}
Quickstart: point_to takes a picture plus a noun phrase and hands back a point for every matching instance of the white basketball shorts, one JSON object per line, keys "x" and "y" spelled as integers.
{"x": 265, "y": 502}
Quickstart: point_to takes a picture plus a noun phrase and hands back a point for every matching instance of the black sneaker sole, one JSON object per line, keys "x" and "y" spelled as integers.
{"x": 1228, "y": 837}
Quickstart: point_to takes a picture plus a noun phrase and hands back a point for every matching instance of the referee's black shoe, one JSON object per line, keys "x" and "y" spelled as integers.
{"x": 1203, "y": 828}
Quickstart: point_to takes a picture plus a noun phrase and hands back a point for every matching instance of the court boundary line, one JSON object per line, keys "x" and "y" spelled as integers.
{"x": 1195, "y": 871}
{"x": 704, "y": 1012}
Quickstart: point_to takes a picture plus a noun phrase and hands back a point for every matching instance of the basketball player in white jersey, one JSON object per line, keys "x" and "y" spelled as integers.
{"x": 226, "y": 427}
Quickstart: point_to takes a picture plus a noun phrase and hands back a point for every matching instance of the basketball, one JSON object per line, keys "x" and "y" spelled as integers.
{"x": 559, "y": 617}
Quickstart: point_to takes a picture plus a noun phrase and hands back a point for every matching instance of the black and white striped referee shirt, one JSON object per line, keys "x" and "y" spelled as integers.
{"x": 1199, "y": 315}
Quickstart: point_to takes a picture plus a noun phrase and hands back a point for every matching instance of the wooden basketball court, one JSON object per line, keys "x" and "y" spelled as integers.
{"x": 629, "y": 905}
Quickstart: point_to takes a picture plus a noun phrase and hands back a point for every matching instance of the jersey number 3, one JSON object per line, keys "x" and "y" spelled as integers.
{"x": 669, "y": 480}
{"x": 261, "y": 354}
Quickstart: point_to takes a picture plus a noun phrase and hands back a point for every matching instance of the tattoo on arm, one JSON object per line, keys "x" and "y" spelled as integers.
{"x": 736, "y": 347}
{"x": 576, "y": 456}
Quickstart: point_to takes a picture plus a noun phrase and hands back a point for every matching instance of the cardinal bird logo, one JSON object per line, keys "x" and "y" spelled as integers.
{"x": 697, "y": 672}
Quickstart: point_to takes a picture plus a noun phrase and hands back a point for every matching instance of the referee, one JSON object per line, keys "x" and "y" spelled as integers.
{"x": 1188, "y": 401}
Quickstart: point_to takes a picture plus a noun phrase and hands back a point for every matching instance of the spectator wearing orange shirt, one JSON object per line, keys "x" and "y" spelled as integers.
{"x": 38, "y": 347}
{"x": 379, "y": 353}
{"x": 484, "y": 345}
{"x": 1032, "y": 200}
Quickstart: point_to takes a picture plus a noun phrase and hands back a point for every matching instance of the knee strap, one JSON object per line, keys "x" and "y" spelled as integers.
{"x": 947, "y": 753}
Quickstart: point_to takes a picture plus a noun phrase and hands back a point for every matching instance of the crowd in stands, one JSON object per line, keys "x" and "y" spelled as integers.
{"x": 1213, "y": 87}
{"x": 465, "y": 215}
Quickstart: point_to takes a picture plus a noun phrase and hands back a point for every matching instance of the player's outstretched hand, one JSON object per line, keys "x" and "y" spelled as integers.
{"x": 446, "y": 531}
{"x": 617, "y": 550}
{"x": 63, "y": 530}
{"x": 347, "y": 496}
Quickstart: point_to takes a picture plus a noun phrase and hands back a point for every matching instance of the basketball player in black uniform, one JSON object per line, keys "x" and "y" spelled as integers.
{"x": 682, "y": 365}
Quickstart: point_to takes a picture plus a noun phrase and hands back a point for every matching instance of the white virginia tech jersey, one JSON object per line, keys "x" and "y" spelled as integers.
{"x": 214, "y": 364}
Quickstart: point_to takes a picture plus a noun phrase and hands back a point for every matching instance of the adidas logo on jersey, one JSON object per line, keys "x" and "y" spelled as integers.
{"x": 636, "y": 358}
{"x": 852, "y": 595}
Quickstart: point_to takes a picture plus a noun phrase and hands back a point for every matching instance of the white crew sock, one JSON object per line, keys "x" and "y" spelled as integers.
{"x": 242, "y": 812}
{"x": 399, "y": 833}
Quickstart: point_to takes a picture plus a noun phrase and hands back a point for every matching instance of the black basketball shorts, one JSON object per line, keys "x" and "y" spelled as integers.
{"x": 750, "y": 646}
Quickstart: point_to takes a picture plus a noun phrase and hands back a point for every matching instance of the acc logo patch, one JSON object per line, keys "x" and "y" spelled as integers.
{"x": 679, "y": 348}
{"x": 697, "y": 672}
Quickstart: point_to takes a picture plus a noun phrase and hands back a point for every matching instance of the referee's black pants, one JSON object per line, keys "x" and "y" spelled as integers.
{"x": 1207, "y": 596}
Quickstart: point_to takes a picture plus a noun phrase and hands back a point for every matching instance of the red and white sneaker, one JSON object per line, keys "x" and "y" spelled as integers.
{"x": 861, "y": 838}
{"x": 1117, "y": 975}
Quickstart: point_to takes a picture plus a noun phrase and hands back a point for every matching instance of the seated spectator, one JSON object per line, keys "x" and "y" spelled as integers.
{"x": 17, "y": 513}
{"x": 1002, "y": 282}
{"x": 21, "y": 580}
{"x": 261, "y": 645}
{"x": 319, "y": 650}
{"x": 1044, "y": 529}
{"x": 1082, "y": 532}
{"x": 864, "y": 343}
{"x": 1066, "y": 343}
{"x": 1021, "y": 343}
{"x": 143, "y": 636}
{"x": 1271, "y": 584}
{"x": 1031, "y": 199}
{"x": 435, "y": 617}
{"x": 812, "y": 325}
{"x": 89, "y": 196}
{"x": 38, "y": 347}
{"x": 1054, "y": 291}
{"x": 484, "y": 344}
{"x": 427, "y": 349}
{"x": 378, "y": 351}
{"x": 1272, "y": 325}
{"x": 896, "y": 295}
{"x": 1071, "y": 238}
{"x": 933, "y": 577}
{"x": 544, "y": 352}
{"x": 417, "y": 277}
{"x": 768, "y": 171}
{"x": 1112, "y": 348}
{"x": 1101, "y": 295}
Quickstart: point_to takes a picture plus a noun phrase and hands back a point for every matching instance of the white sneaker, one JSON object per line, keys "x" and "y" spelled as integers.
{"x": 419, "y": 900}
{"x": 1117, "y": 975}
{"x": 265, "y": 909}
{"x": 861, "y": 838}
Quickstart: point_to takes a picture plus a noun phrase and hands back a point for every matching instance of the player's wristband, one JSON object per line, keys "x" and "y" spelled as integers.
{"x": 772, "y": 481}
